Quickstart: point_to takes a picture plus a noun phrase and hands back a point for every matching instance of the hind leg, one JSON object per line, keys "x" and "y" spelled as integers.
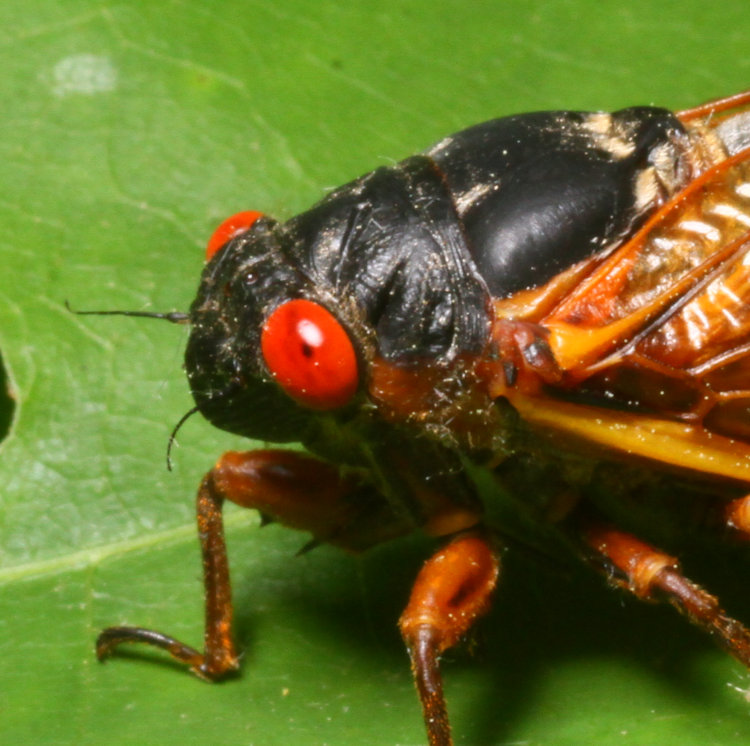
{"x": 649, "y": 573}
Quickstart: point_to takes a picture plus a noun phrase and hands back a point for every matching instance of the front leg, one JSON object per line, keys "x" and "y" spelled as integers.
{"x": 219, "y": 656}
{"x": 285, "y": 486}
{"x": 451, "y": 591}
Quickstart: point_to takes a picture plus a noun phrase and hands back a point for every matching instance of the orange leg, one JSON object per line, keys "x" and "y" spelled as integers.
{"x": 711, "y": 108}
{"x": 289, "y": 487}
{"x": 219, "y": 656}
{"x": 737, "y": 515}
{"x": 647, "y": 572}
{"x": 451, "y": 591}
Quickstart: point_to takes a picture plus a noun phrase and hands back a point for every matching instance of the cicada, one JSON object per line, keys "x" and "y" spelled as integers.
{"x": 531, "y": 297}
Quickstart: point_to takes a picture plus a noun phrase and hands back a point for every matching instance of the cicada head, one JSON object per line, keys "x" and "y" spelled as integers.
{"x": 265, "y": 354}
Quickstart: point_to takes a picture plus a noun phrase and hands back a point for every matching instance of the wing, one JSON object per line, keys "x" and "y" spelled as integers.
{"x": 654, "y": 339}
{"x": 677, "y": 292}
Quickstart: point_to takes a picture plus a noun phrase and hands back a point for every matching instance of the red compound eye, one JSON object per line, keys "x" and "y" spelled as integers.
{"x": 310, "y": 355}
{"x": 232, "y": 226}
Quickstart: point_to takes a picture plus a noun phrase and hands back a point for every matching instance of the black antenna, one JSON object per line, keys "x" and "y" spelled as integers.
{"x": 185, "y": 417}
{"x": 175, "y": 317}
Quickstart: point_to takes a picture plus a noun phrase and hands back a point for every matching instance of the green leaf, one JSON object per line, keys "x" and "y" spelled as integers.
{"x": 129, "y": 131}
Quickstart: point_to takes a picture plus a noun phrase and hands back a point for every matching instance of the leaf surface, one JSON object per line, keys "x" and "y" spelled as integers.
{"x": 129, "y": 131}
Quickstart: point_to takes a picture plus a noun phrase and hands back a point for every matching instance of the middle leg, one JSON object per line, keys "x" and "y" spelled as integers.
{"x": 451, "y": 591}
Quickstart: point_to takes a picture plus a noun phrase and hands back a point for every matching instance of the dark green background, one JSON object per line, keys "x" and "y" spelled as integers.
{"x": 128, "y": 131}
